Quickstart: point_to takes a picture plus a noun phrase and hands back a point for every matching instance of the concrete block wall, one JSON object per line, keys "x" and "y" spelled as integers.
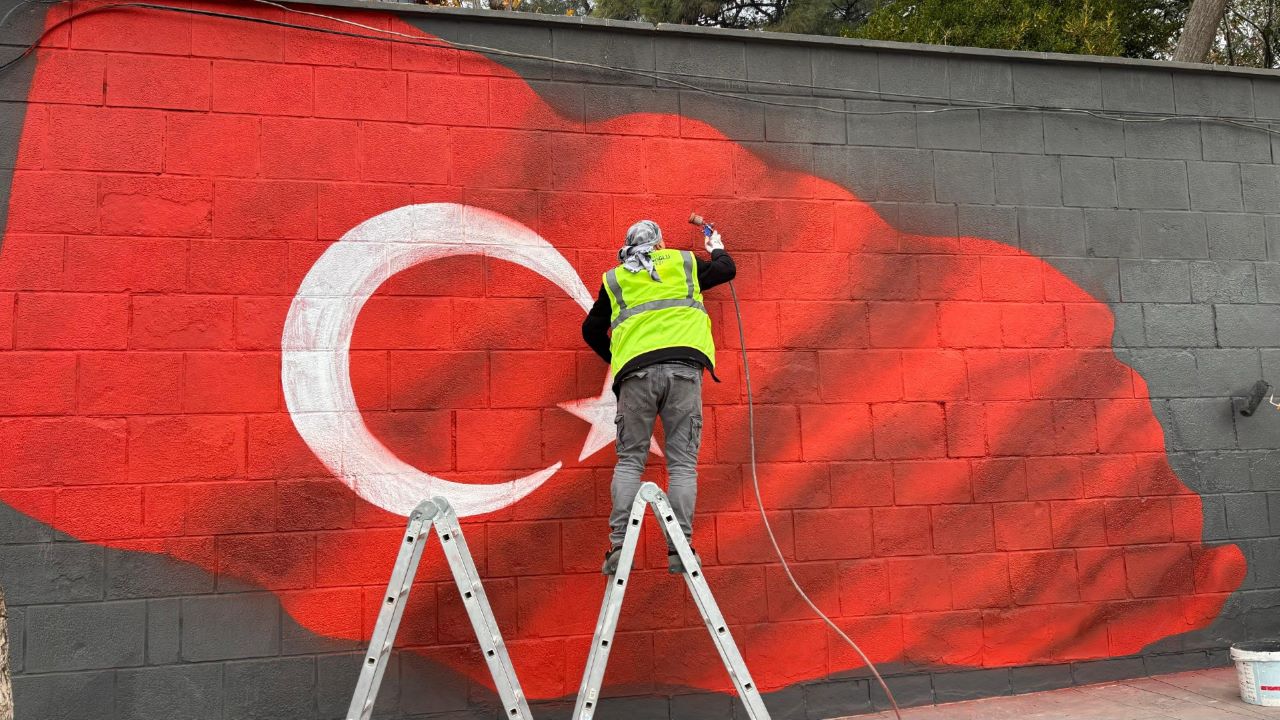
{"x": 993, "y": 345}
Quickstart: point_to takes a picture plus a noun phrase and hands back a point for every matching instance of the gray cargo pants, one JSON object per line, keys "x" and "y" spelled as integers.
{"x": 672, "y": 391}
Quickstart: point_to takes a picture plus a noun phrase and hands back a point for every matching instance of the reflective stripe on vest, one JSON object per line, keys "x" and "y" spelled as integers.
{"x": 626, "y": 312}
{"x": 654, "y": 305}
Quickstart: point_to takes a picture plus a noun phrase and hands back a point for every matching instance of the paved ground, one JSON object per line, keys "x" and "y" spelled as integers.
{"x": 1200, "y": 695}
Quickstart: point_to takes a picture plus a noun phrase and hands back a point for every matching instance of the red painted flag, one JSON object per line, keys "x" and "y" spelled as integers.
{"x": 961, "y": 469}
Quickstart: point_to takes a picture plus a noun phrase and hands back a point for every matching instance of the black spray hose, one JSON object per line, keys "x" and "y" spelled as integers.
{"x": 755, "y": 483}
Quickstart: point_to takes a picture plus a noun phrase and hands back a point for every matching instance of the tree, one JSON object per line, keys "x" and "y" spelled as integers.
{"x": 555, "y": 7}
{"x": 1200, "y": 31}
{"x": 1248, "y": 35}
{"x": 1133, "y": 28}
{"x": 818, "y": 17}
{"x": 1150, "y": 27}
{"x": 1232, "y": 32}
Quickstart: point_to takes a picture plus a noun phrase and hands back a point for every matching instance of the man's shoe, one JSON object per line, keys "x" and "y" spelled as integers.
{"x": 675, "y": 565}
{"x": 611, "y": 560}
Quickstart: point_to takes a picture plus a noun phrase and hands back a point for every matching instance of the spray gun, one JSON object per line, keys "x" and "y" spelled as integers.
{"x": 696, "y": 219}
{"x": 708, "y": 232}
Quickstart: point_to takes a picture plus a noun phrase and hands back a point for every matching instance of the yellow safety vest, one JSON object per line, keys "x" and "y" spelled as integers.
{"x": 649, "y": 315}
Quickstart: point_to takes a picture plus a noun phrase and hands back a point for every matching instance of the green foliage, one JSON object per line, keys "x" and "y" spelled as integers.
{"x": 1009, "y": 24}
{"x": 555, "y": 7}
{"x": 1135, "y": 28}
{"x": 1150, "y": 28}
{"x": 817, "y": 17}
{"x": 1249, "y": 35}
{"x": 688, "y": 12}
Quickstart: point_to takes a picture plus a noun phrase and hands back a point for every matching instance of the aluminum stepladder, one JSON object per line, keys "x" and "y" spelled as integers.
{"x": 438, "y": 513}
{"x": 589, "y": 694}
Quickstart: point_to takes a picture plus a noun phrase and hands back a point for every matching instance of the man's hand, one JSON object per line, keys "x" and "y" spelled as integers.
{"x": 714, "y": 242}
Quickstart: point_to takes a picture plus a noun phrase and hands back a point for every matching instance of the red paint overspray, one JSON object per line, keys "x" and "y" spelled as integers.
{"x": 960, "y": 467}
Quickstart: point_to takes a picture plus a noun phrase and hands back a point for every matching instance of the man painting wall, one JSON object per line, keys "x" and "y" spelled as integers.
{"x": 650, "y": 325}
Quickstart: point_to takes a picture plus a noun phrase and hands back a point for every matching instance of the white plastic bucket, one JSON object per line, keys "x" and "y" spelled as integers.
{"x": 1258, "y": 669}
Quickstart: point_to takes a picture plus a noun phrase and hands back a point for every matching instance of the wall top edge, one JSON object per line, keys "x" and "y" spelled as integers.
{"x": 552, "y": 21}
{"x": 792, "y": 39}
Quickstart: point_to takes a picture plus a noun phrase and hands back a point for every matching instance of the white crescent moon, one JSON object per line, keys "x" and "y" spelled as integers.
{"x": 315, "y": 346}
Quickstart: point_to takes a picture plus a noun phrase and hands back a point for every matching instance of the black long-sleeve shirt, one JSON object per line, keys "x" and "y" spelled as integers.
{"x": 595, "y": 328}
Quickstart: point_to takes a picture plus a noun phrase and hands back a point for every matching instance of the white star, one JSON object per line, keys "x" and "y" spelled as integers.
{"x": 600, "y": 412}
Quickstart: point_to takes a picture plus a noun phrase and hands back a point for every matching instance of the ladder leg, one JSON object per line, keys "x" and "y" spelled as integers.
{"x": 384, "y": 632}
{"x": 478, "y": 609}
{"x": 601, "y": 643}
{"x": 707, "y": 606}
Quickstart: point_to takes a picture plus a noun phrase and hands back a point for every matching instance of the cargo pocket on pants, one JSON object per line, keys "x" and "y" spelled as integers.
{"x": 691, "y": 375}
{"x": 617, "y": 438}
{"x": 695, "y": 434}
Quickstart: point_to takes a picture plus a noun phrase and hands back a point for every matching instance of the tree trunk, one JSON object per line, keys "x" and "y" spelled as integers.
{"x": 1201, "y": 28}
{"x": 6, "y": 690}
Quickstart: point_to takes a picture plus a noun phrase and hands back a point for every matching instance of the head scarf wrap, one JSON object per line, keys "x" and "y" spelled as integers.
{"x": 636, "y": 255}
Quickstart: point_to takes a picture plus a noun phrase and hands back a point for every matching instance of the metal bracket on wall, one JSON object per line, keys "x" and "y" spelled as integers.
{"x": 593, "y": 676}
{"x": 438, "y": 513}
